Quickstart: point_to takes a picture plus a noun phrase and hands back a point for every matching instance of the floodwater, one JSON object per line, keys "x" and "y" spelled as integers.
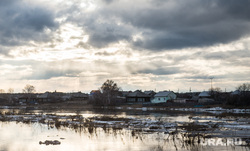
{"x": 16, "y": 135}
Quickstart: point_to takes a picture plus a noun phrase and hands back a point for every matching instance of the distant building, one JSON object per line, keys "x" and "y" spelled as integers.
{"x": 79, "y": 96}
{"x": 205, "y": 97}
{"x": 236, "y": 92}
{"x": 52, "y": 97}
{"x": 137, "y": 96}
{"x": 124, "y": 93}
{"x": 44, "y": 97}
{"x": 94, "y": 92}
{"x": 151, "y": 93}
{"x": 163, "y": 97}
{"x": 27, "y": 99}
{"x": 204, "y": 94}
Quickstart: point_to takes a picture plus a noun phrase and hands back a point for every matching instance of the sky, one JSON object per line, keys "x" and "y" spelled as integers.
{"x": 77, "y": 45}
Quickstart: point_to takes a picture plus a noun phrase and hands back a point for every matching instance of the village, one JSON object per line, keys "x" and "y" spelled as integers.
{"x": 147, "y": 98}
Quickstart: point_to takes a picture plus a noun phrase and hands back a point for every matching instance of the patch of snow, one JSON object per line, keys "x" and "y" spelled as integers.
{"x": 215, "y": 110}
{"x": 105, "y": 122}
{"x": 237, "y": 126}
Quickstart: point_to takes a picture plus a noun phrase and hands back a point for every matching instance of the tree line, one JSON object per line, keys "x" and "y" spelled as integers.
{"x": 27, "y": 89}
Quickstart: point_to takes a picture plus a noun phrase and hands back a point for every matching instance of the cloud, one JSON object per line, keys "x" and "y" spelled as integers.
{"x": 21, "y": 22}
{"x": 48, "y": 70}
{"x": 40, "y": 70}
{"x": 164, "y": 25}
{"x": 4, "y": 50}
{"x": 235, "y": 58}
{"x": 211, "y": 23}
{"x": 152, "y": 25}
{"x": 126, "y": 53}
{"x": 159, "y": 71}
{"x": 108, "y": 1}
{"x": 150, "y": 66}
{"x": 47, "y": 73}
{"x": 227, "y": 54}
{"x": 102, "y": 39}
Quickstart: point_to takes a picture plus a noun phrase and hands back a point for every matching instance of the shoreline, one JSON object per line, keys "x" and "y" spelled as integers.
{"x": 81, "y": 106}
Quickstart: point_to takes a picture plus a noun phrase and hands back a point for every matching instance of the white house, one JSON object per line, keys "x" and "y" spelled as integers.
{"x": 163, "y": 97}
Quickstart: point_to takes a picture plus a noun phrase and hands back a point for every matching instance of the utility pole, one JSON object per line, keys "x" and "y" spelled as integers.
{"x": 212, "y": 83}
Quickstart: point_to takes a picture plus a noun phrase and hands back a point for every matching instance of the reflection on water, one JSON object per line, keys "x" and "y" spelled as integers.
{"x": 19, "y": 136}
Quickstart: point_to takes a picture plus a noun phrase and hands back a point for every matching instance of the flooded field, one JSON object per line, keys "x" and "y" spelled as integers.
{"x": 28, "y": 130}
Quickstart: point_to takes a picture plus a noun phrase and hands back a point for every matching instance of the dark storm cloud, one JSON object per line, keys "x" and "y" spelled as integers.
{"x": 106, "y": 32}
{"x": 160, "y": 24}
{"x": 167, "y": 24}
{"x": 194, "y": 37}
{"x": 238, "y": 9}
{"x": 22, "y": 21}
{"x": 193, "y": 24}
{"x": 100, "y": 40}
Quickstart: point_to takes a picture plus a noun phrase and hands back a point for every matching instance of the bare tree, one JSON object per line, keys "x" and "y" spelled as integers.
{"x": 215, "y": 90}
{"x": 2, "y": 91}
{"x": 10, "y": 90}
{"x": 29, "y": 89}
{"x": 244, "y": 95}
{"x": 109, "y": 90}
{"x": 215, "y": 93}
{"x": 107, "y": 93}
{"x": 10, "y": 96}
{"x": 243, "y": 87}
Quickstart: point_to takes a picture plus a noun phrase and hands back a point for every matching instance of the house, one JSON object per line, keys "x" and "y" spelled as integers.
{"x": 236, "y": 92}
{"x": 163, "y": 97}
{"x": 194, "y": 99}
{"x": 205, "y": 97}
{"x": 5, "y": 98}
{"x": 93, "y": 92}
{"x": 79, "y": 96}
{"x": 204, "y": 94}
{"x": 51, "y": 97}
{"x": 27, "y": 98}
{"x": 137, "y": 96}
{"x": 124, "y": 93}
{"x": 151, "y": 93}
{"x": 44, "y": 97}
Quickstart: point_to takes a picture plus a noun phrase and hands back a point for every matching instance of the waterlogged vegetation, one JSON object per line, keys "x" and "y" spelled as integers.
{"x": 157, "y": 131}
